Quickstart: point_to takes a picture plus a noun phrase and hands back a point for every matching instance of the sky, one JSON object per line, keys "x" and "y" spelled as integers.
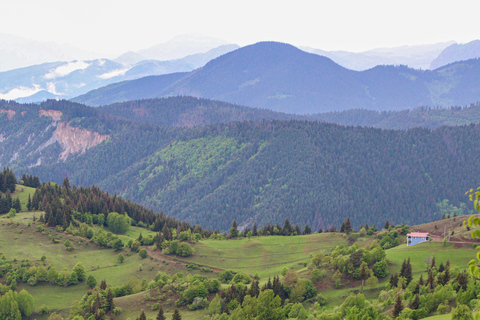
{"x": 114, "y": 27}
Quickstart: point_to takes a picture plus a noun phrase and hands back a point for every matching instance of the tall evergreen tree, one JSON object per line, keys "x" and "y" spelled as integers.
{"x": 176, "y": 315}
{"x": 307, "y": 229}
{"x": 415, "y": 302}
{"x": 255, "y": 231}
{"x": 109, "y": 305}
{"x": 408, "y": 272}
{"x": 233, "y": 229}
{"x": 142, "y": 316}
{"x": 160, "y": 315}
{"x": 397, "y": 309}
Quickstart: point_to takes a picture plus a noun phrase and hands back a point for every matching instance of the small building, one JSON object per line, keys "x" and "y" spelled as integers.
{"x": 416, "y": 238}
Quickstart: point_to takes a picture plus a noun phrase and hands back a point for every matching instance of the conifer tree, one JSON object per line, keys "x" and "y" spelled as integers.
{"x": 420, "y": 281}
{"x": 255, "y": 231}
{"x": 415, "y": 302}
{"x": 160, "y": 315}
{"x": 387, "y": 225}
{"x": 254, "y": 290}
{"x": 393, "y": 280}
{"x": 397, "y": 309}
{"x": 430, "y": 280}
{"x": 142, "y": 316}
{"x": 307, "y": 229}
{"x": 29, "y": 203}
{"x": 109, "y": 305}
{"x": 176, "y": 315}
{"x": 287, "y": 228}
{"x": 402, "y": 269}
{"x": 233, "y": 229}
{"x": 408, "y": 272}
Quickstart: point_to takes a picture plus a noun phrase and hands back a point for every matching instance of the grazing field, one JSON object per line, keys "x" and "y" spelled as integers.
{"x": 23, "y": 243}
{"x": 458, "y": 254}
{"x": 266, "y": 256}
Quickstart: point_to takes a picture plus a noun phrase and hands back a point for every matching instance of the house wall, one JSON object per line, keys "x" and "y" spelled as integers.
{"x": 416, "y": 240}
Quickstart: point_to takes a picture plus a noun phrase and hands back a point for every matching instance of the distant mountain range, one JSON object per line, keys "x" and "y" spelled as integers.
{"x": 417, "y": 57}
{"x": 283, "y": 78}
{"x": 66, "y": 80}
{"x": 37, "y": 83}
{"x": 457, "y": 52}
{"x": 17, "y": 52}
{"x": 176, "y": 48}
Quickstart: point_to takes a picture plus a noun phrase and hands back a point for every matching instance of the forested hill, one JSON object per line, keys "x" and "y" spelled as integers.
{"x": 283, "y": 78}
{"x": 184, "y": 111}
{"x": 263, "y": 171}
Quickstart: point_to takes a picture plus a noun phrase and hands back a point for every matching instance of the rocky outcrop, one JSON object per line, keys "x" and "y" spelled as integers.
{"x": 73, "y": 140}
{"x": 10, "y": 113}
{"x": 54, "y": 114}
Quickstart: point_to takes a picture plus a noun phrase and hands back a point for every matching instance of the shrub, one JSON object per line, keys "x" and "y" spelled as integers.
{"x": 143, "y": 253}
{"x": 185, "y": 250}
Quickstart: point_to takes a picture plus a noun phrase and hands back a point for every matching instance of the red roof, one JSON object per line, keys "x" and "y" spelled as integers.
{"x": 418, "y": 234}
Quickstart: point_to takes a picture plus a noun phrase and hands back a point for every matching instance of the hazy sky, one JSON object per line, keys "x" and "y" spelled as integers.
{"x": 117, "y": 26}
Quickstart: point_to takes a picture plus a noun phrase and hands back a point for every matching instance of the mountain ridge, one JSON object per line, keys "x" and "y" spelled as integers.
{"x": 281, "y": 77}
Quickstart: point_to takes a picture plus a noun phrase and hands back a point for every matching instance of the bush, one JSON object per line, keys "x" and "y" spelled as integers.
{"x": 143, "y": 253}
{"x": 198, "y": 303}
{"x": 43, "y": 309}
{"x": 185, "y": 250}
{"x": 242, "y": 278}
{"x": 321, "y": 299}
{"x": 225, "y": 276}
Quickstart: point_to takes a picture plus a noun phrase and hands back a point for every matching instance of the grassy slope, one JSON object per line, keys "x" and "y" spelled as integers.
{"x": 264, "y": 255}
{"x": 23, "y": 243}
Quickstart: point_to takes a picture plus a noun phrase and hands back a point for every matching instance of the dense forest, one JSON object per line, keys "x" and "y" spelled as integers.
{"x": 190, "y": 111}
{"x": 254, "y": 171}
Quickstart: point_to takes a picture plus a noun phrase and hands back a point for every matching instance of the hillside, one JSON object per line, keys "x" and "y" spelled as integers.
{"x": 62, "y": 271}
{"x": 189, "y": 111}
{"x": 283, "y": 78}
{"x": 457, "y": 52}
{"x": 261, "y": 171}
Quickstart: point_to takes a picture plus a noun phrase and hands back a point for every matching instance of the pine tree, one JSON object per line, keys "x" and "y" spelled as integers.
{"x": 109, "y": 305}
{"x": 142, "y": 316}
{"x": 397, "y": 309}
{"x": 307, "y": 229}
{"x": 408, "y": 272}
{"x": 387, "y": 225}
{"x": 393, "y": 280}
{"x": 233, "y": 229}
{"x": 287, "y": 228}
{"x": 29, "y": 203}
{"x": 176, "y": 315}
{"x": 402, "y": 269}
{"x": 297, "y": 229}
{"x": 447, "y": 272}
{"x": 160, "y": 315}
{"x": 103, "y": 285}
{"x": 255, "y": 231}
{"x": 254, "y": 290}
{"x": 430, "y": 280}
{"x": 415, "y": 302}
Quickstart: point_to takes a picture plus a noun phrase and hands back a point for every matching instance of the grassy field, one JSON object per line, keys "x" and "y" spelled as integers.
{"x": 20, "y": 243}
{"x": 266, "y": 256}
{"x": 459, "y": 256}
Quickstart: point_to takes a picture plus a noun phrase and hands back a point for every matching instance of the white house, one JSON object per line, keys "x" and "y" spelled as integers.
{"x": 416, "y": 238}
